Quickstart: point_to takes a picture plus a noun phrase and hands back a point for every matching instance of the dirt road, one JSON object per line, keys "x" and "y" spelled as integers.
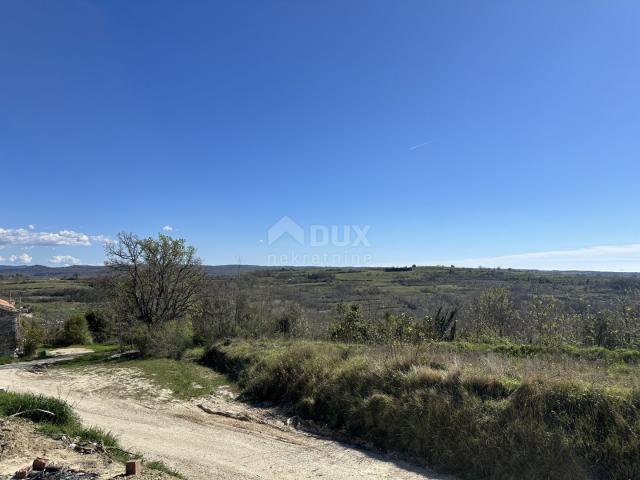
{"x": 198, "y": 444}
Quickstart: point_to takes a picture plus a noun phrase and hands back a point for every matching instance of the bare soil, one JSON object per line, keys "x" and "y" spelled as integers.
{"x": 68, "y": 351}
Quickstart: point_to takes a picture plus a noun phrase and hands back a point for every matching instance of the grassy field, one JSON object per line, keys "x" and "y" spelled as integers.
{"x": 476, "y": 414}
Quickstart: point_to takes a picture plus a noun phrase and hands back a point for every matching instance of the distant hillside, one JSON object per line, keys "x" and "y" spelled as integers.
{"x": 53, "y": 272}
{"x": 87, "y": 271}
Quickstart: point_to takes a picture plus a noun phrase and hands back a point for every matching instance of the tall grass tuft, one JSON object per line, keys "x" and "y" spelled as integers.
{"x": 35, "y": 408}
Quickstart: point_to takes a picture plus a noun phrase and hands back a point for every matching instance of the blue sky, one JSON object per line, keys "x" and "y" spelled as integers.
{"x": 475, "y": 133}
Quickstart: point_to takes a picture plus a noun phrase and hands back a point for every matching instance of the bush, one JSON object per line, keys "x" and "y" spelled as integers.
{"x": 75, "y": 331}
{"x": 169, "y": 340}
{"x": 291, "y": 322}
{"x": 100, "y": 326}
{"x": 34, "y": 336}
{"x": 351, "y": 327}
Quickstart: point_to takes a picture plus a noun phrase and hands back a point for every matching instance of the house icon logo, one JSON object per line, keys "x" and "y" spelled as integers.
{"x": 285, "y": 226}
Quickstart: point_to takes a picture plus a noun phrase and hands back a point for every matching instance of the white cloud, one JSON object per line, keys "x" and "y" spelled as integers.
{"x": 100, "y": 238}
{"x": 599, "y": 257}
{"x": 167, "y": 228}
{"x": 65, "y": 260}
{"x": 20, "y": 259}
{"x": 31, "y": 226}
{"x": 24, "y": 237}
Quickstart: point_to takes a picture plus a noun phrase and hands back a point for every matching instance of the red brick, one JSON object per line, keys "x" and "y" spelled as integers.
{"x": 22, "y": 473}
{"x": 133, "y": 467}
{"x": 40, "y": 463}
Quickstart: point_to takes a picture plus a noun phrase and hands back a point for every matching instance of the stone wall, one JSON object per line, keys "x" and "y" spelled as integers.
{"x": 8, "y": 332}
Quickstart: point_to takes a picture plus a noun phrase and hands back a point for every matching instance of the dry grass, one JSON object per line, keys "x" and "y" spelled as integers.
{"x": 477, "y": 414}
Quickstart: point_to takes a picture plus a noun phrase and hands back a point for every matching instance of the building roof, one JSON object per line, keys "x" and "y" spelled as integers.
{"x": 5, "y": 305}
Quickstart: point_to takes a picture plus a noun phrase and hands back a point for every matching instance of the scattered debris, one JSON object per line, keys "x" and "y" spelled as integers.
{"x": 86, "y": 448}
{"x": 26, "y": 453}
{"x": 42, "y": 469}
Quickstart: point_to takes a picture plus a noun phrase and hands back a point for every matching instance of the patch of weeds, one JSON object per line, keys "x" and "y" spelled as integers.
{"x": 161, "y": 467}
{"x": 37, "y": 408}
{"x": 6, "y": 359}
{"x": 185, "y": 379}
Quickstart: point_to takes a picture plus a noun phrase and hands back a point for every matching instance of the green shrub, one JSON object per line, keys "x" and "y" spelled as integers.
{"x": 75, "y": 331}
{"x": 290, "y": 322}
{"x": 34, "y": 336}
{"x": 351, "y": 326}
{"x": 100, "y": 326}
{"x": 168, "y": 340}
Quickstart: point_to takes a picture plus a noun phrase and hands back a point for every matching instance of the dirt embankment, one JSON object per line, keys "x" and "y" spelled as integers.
{"x": 201, "y": 445}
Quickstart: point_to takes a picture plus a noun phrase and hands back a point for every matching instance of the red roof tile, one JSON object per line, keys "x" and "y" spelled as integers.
{"x": 7, "y": 305}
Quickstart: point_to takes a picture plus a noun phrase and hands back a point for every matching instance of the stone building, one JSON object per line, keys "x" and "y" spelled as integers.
{"x": 9, "y": 328}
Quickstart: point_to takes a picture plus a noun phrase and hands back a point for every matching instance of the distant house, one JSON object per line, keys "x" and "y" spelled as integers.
{"x": 10, "y": 342}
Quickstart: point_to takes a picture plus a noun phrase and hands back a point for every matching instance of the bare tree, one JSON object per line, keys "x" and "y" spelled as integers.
{"x": 159, "y": 280}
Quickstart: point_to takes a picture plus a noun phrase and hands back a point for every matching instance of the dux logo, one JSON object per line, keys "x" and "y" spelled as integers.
{"x": 320, "y": 235}
{"x": 285, "y": 226}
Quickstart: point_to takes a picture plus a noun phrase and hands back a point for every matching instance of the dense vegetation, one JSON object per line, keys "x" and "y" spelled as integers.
{"x": 376, "y": 306}
{"x": 477, "y": 425}
{"x": 542, "y": 308}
